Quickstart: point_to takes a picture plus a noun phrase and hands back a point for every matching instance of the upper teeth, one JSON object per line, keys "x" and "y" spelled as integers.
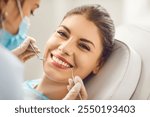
{"x": 60, "y": 61}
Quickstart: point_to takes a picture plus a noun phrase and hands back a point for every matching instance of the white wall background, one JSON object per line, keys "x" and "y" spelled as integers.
{"x": 50, "y": 13}
{"x": 136, "y": 11}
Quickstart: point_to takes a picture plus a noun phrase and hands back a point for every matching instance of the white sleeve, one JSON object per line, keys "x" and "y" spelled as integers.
{"x": 11, "y": 76}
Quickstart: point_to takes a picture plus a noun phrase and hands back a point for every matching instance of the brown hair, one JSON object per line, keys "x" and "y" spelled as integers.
{"x": 100, "y": 17}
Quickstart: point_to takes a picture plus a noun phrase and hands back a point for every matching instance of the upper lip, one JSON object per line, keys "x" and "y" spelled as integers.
{"x": 63, "y": 59}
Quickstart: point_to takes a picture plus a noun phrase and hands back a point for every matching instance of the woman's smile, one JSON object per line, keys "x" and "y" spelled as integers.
{"x": 72, "y": 47}
{"x": 60, "y": 62}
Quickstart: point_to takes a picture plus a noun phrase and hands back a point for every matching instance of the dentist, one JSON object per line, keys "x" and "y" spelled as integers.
{"x": 14, "y": 25}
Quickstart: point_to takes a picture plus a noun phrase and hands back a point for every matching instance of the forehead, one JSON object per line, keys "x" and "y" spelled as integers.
{"x": 82, "y": 27}
{"x": 76, "y": 20}
{"x": 37, "y": 1}
{"x": 31, "y": 2}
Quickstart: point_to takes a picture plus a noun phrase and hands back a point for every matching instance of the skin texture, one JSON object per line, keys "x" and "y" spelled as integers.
{"x": 11, "y": 23}
{"x": 78, "y": 42}
{"x": 12, "y": 14}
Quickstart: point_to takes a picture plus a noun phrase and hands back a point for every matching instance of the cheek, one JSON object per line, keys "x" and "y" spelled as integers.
{"x": 51, "y": 44}
{"x": 27, "y": 6}
{"x": 85, "y": 64}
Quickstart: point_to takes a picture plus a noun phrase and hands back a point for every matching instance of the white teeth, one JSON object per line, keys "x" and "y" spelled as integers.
{"x": 60, "y": 61}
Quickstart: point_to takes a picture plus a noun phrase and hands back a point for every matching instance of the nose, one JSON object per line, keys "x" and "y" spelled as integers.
{"x": 67, "y": 47}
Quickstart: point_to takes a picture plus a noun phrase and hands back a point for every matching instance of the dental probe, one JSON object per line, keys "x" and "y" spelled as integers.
{"x": 19, "y": 6}
{"x": 74, "y": 83}
{"x": 42, "y": 59}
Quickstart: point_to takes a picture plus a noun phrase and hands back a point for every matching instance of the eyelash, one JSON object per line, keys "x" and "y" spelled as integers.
{"x": 32, "y": 13}
{"x": 84, "y": 46}
{"x": 81, "y": 45}
{"x": 63, "y": 34}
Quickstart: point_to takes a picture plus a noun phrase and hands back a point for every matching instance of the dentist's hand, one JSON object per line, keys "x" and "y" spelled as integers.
{"x": 75, "y": 89}
{"x": 24, "y": 51}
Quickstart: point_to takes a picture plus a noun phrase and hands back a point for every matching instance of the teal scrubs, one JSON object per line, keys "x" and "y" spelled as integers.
{"x": 30, "y": 93}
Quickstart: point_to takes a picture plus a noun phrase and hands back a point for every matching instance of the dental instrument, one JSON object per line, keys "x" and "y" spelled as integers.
{"x": 40, "y": 58}
{"x": 73, "y": 78}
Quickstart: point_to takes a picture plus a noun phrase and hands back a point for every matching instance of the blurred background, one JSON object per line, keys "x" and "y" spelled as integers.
{"x": 51, "y": 12}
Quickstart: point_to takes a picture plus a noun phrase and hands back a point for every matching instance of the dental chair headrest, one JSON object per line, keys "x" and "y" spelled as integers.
{"x": 138, "y": 37}
{"x": 119, "y": 76}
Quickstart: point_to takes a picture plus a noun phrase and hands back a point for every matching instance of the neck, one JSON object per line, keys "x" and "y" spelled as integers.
{"x": 52, "y": 89}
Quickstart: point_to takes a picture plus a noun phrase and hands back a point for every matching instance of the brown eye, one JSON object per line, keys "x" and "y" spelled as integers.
{"x": 62, "y": 34}
{"x": 84, "y": 46}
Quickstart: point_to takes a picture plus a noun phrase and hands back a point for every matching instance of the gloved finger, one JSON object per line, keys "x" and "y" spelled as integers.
{"x": 36, "y": 51}
{"x": 26, "y": 55}
{"x": 68, "y": 87}
{"x": 71, "y": 84}
{"x": 33, "y": 48}
{"x": 83, "y": 91}
{"x": 27, "y": 58}
{"x": 19, "y": 50}
{"x": 32, "y": 40}
{"x": 29, "y": 54}
{"x": 24, "y": 46}
{"x": 73, "y": 93}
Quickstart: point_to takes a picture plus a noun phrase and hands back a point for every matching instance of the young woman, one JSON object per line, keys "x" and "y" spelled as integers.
{"x": 79, "y": 46}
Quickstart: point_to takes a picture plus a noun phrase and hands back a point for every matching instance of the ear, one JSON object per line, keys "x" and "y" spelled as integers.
{"x": 96, "y": 69}
{"x": 3, "y": 5}
{"x": 98, "y": 66}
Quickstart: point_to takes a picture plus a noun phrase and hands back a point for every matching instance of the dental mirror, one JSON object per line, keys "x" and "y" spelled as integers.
{"x": 73, "y": 77}
{"x": 40, "y": 58}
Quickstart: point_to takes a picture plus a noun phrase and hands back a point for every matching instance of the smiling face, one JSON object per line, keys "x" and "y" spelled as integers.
{"x": 76, "y": 45}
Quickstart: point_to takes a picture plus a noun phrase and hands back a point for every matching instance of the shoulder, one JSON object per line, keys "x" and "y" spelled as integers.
{"x": 8, "y": 59}
{"x": 30, "y": 93}
{"x": 11, "y": 74}
{"x": 31, "y": 84}
{"x": 10, "y": 66}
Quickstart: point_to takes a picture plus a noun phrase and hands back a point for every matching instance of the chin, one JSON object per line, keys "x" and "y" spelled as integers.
{"x": 56, "y": 76}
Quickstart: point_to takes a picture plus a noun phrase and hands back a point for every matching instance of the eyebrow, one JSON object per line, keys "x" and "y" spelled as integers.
{"x": 65, "y": 28}
{"x": 82, "y": 39}
{"x": 85, "y": 40}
